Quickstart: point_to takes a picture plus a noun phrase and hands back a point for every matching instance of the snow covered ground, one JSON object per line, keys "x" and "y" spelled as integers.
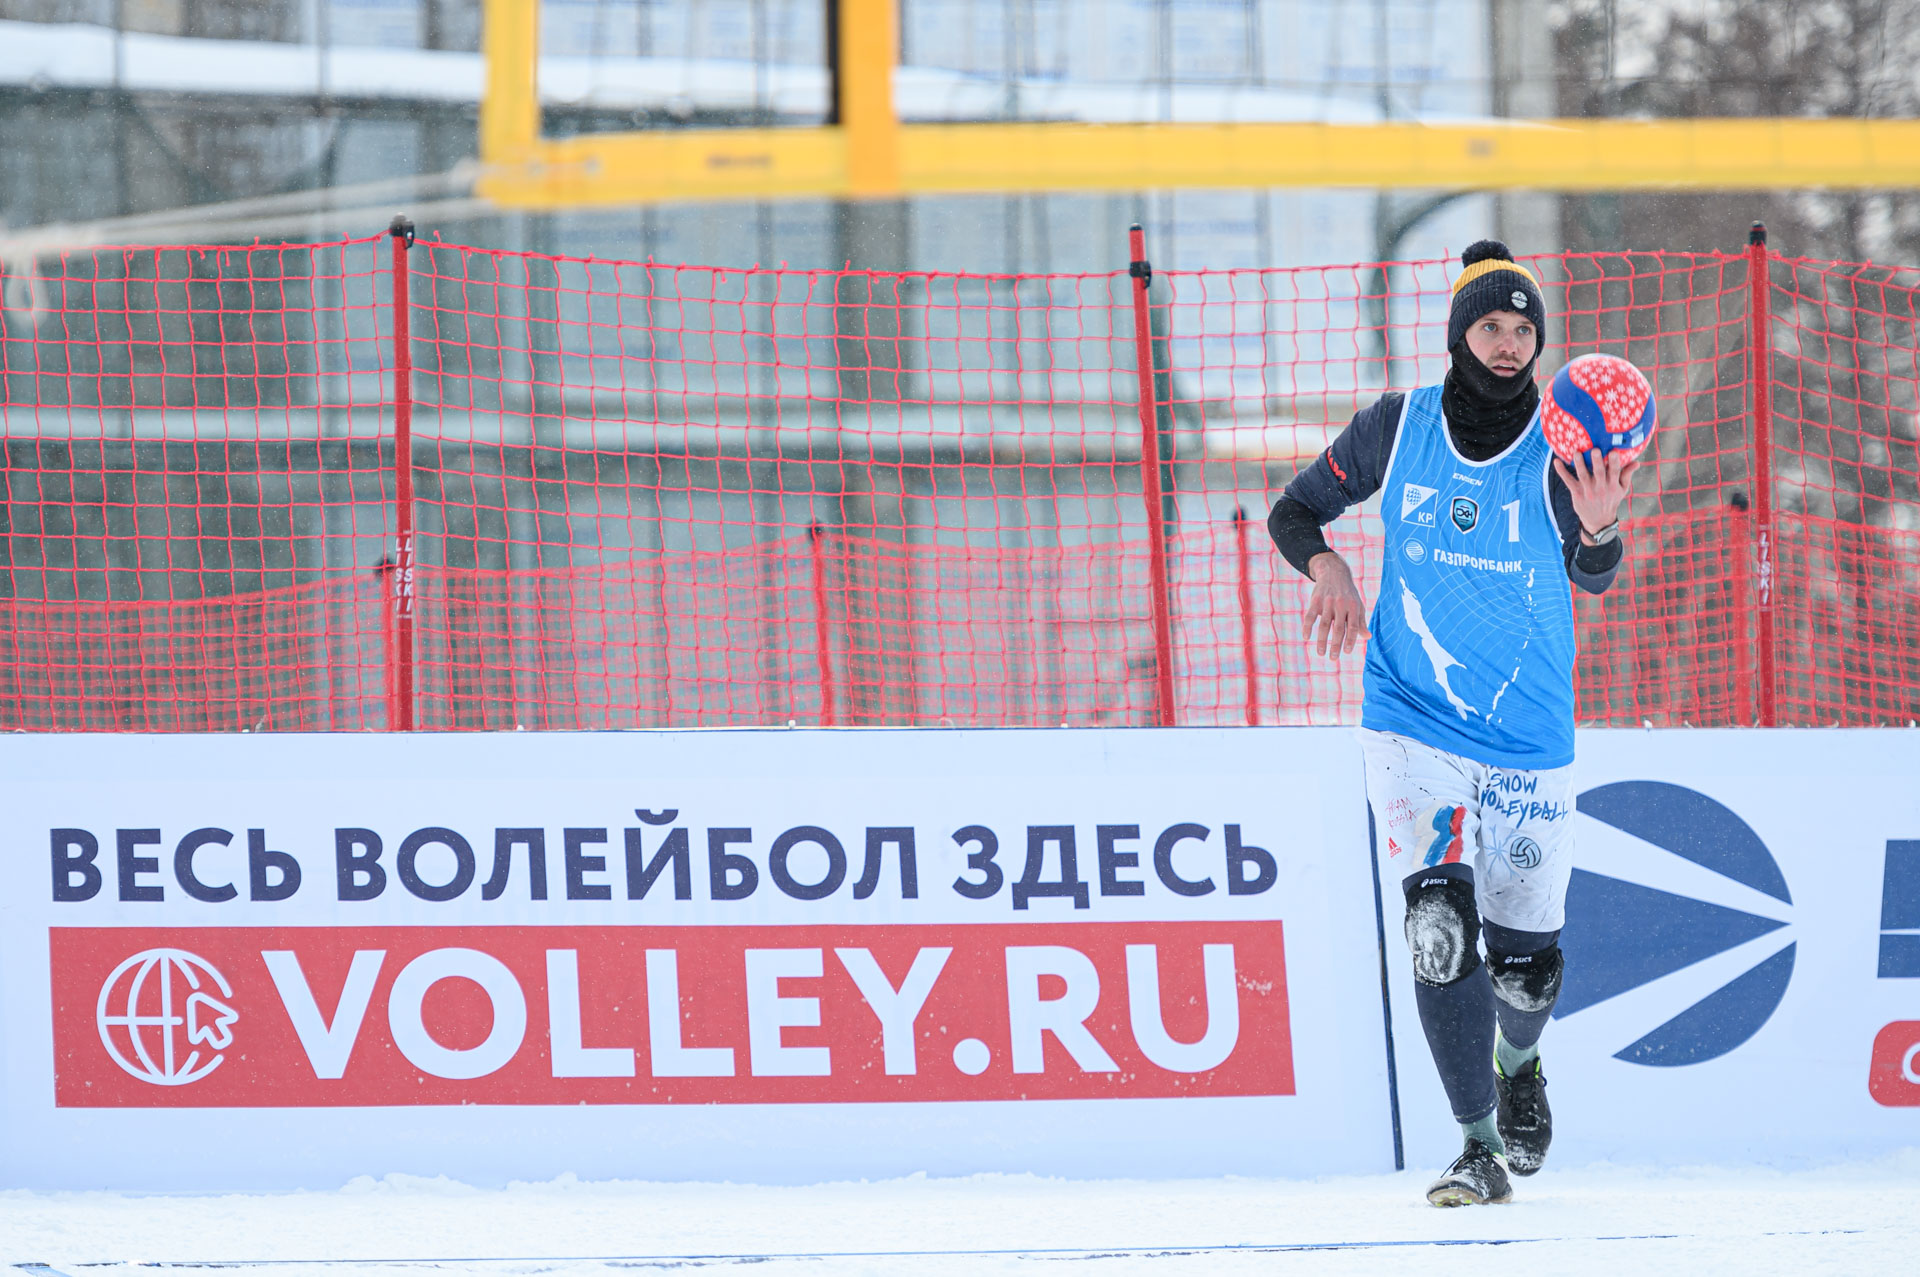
{"x": 1854, "y": 1218}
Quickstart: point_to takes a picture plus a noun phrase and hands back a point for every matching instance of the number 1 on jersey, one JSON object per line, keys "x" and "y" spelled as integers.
{"x": 1513, "y": 520}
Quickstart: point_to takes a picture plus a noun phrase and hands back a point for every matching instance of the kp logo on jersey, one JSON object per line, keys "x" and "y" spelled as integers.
{"x": 1623, "y": 935}
{"x": 157, "y": 1013}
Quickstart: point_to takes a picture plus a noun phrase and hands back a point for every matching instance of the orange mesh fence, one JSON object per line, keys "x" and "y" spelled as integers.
{"x": 303, "y": 658}
{"x": 657, "y": 495}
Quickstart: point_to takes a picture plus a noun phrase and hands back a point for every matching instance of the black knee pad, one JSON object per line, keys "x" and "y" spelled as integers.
{"x": 1443, "y": 929}
{"x": 1527, "y": 981}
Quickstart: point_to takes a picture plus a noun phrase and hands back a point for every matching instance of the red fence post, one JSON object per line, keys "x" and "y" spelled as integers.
{"x": 1245, "y": 582}
{"x": 817, "y": 535}
{"x": 1742, "y": 669}
{"x": 1760, "y": 370}
{"x": 389, "y": 680}
{"x": 400, "y": 650}
{"x": 1142, "y": 274}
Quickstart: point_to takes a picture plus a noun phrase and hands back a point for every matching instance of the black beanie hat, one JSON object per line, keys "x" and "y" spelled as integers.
{"x": 1493, "y": 281}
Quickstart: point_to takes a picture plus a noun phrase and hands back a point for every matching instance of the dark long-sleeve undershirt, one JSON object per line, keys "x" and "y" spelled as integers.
{"x": 1354, "y": 467}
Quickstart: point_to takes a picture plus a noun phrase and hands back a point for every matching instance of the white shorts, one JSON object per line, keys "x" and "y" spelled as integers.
{"x": 1513, "y": 828}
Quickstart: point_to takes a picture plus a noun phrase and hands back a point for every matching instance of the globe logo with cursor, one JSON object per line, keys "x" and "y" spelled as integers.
{"x": 160, "y": 1020}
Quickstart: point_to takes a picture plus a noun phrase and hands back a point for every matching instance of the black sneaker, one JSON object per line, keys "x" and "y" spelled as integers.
{"x": 1478, "y": 1176}
{"x": 1526, "y": 1123}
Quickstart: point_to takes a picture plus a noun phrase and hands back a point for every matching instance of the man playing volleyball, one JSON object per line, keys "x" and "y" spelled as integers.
{"x": 1467, "y": 719}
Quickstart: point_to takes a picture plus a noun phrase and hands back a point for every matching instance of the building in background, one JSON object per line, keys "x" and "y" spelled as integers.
{"x": 117, "y": 107}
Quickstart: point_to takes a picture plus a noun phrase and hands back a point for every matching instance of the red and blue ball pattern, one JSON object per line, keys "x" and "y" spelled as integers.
{"x": 1597, "y": 401}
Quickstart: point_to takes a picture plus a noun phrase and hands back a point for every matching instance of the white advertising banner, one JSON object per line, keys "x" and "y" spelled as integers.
{"x": 781, "y": 956}
{"x": 1742, "y": 949}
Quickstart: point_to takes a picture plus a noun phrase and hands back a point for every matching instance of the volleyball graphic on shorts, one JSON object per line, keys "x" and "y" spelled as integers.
{"x": 1597, "y": 401}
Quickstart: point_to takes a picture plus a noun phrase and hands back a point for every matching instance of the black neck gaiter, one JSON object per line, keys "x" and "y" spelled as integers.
{"x": 1486, "y": 412}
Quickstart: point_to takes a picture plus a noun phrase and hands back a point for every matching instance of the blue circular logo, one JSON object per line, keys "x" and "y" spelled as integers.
{"x": 1416, "y": 552}
{"x": 1622, "y": 935}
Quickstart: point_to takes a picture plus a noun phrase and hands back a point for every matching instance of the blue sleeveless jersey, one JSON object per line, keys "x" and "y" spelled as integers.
{"x": 1472, "y": 648}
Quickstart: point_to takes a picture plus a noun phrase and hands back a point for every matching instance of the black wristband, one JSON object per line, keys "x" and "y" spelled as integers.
{"x": 1596, "y": 559}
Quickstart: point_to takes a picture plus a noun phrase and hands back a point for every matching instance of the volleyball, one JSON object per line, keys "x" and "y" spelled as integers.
{"x": 1597, "y": 401}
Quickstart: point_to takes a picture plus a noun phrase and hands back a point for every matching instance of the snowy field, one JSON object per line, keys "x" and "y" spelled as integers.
{"x": 1854, "y": 1218}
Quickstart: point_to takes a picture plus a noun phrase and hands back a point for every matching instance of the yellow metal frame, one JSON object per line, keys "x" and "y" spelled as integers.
{"x": 870, "y": 154}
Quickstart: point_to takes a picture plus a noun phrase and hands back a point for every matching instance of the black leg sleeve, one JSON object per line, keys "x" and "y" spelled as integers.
{"x": 1458, "y": 1020}
{"x": 1452, "y": 987}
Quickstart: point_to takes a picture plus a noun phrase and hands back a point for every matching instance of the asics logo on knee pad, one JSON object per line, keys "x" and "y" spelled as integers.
{"x": 1527, "y": 981}
{"x": 1443, "y": 930}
